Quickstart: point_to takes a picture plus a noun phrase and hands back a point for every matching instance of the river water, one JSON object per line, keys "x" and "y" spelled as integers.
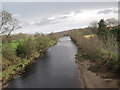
{"x": 57, "y": 69}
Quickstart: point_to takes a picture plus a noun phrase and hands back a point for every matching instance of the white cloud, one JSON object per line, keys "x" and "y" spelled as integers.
{"x": 69, "y": 14}
{"x": 16, "y": 15}
{"x": 108, "y": 10}
{"x": 60, "y": 22}
{"x": 51, "y": 18}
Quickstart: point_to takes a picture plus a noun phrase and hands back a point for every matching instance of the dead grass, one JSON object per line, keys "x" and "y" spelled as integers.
{"x": 103, "y": 54}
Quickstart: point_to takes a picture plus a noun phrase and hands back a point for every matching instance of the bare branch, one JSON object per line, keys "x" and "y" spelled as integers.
{"x": 7, "y": 23}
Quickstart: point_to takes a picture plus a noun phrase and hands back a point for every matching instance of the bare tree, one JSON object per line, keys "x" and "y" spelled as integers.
{"x": 13, "y": 25}
{"x": 5, "y": 17}
{"x": 111, "y": 22}
{"x": 7, "y": 23}
{"x": 94, "y": 26}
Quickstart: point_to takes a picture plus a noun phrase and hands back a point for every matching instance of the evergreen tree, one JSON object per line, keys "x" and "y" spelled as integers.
{"x": 102, "y": 30}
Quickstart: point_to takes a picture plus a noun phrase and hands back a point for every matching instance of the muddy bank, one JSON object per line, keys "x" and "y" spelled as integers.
{"x": 94, "y": 80}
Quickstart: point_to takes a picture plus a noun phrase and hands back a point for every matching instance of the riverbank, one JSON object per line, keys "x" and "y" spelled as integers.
{"x": 15, "y": 70}
{"x": 94, "y": 80}
{"x": 98, "y": 60}
{"x": 54, "y": 70}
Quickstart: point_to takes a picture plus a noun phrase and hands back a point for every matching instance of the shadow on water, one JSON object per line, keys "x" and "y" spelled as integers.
{"x": 57, "y": 69}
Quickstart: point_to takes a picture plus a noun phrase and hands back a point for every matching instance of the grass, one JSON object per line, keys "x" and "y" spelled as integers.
{"x": 103, "y": 55}
{"x": 0, "y": 74}
{"x": 52, "y": 42}
{"x": 12, "y": 45}
{"x": 12, "y": 64}
{"x": 10, "y": 69}
{"x": 80, "y": 56}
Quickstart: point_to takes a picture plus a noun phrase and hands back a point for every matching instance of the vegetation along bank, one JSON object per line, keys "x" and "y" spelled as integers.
{"x": 98, "y": 47}
{"x": 21, "y": 50}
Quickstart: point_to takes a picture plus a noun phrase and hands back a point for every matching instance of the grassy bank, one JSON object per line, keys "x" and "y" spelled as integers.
{"x": 21, "y": 50}
{"x": 102, "y": 54}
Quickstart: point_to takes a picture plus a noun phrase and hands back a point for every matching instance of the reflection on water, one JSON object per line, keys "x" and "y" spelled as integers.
{"x": 56, "y": 69}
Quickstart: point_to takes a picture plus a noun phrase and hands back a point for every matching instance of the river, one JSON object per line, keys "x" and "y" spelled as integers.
{"x": 57, "y": 69}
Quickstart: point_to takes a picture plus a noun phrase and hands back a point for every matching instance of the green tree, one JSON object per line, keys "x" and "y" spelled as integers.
{"x": 31, "y": 45}
{"x": 102, "y": 30}
{"x": 22, "y": 51}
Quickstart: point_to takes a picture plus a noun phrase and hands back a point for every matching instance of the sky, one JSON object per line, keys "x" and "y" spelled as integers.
{"x": 59, "y": 0}
{"x": 47, "y": 17}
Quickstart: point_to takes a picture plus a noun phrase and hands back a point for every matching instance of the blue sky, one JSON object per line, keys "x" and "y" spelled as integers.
{"x": 47, "y": 17}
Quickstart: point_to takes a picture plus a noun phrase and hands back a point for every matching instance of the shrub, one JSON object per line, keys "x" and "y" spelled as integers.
{"x": 110, "y": 60}
{"x": 22, "y": 51}
{"x": 104, "y": 54}
{"x": 31, "y": 46}
{"x": 8, "y": 52}
{"x": 43, "y": 43}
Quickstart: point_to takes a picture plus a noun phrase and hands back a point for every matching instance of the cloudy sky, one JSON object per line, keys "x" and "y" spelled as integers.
{"x": 47, "y": 17}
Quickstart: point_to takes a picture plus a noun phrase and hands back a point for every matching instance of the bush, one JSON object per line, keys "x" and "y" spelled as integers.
{"x": 22, "y": 51}
{"x": 80, "y": 55}
{"x": 103, "y": 54}
{"x": 43, "y": 43}
{"x": 8, "y": 52}
{"x": 31, "y": 44}
{"x": 110, "y": 60}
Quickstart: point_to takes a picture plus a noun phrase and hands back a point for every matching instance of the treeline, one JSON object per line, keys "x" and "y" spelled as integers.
{"x": 99, "y": 44}
{"x": 20, "y": 50}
